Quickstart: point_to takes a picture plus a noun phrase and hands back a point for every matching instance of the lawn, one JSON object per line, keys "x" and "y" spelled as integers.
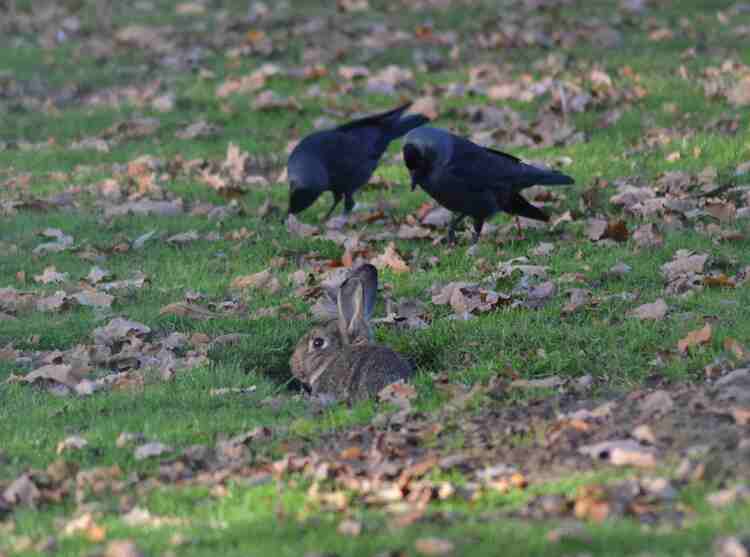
{"x": 583, "y": 390}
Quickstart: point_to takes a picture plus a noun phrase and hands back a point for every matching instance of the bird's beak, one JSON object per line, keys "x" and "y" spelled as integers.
{"x": 300, "y": 199}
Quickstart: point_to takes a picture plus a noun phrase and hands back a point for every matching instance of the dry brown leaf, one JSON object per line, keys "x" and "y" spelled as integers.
{"x": 683, "y": 264}
{"x": 353, "y": 72}
{"x": 118, "y": 330}
{"x": 235, "y": 162}
{"x": 97, "y": 274}
{"x": 184, "y": 237}
{"x": 200, "y": 129}
{"x": 22, "y": 491}
{"x": 741, "y": 415}
{"x": 145, "y": 207}
{"x": 184, "y": 309}
{"x": 595, "y": 229}
{"x": 93, "y": 298}
{"x": 301, "y": 229}
{"x": 738, "y": 350}
{"x": 719, "y": 281}
{"x": 401, "y": 394}
{"x": 579, "y": 298}
{"x": 434, "y": 546}
{"x": 58, "y": 301}
{"x": 390, "y": 258}
{"x": 72, "y": 443}
{"x": 655, "y": 311}
{"x": 695, "y": 338}
{"x": 427, "y": 106}
{"x": 647, "y": 236}
{"x": 270, "y": 100}
{"x": 349, "y": 527}
{"x": 739, "y": 95}
{"x": 122, "y": 548}
{"x": 263, "y": 280}
{"x": 152, "y": 449}
{"x": 56, "y": 373}
{"x": 551, "y": 382}
{"x": 50, "y": 275}
{"x": 190, "y": 8}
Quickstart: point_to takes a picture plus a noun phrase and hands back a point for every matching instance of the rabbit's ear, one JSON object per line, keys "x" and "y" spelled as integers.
{"x": 368, "y": 275}
{"x": 351, "y": 307}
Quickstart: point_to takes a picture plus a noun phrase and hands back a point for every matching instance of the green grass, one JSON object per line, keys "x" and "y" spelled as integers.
{"x": 277, "y": 517}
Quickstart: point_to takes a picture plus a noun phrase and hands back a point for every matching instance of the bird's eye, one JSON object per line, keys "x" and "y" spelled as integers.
{"x": 318, "y": 342}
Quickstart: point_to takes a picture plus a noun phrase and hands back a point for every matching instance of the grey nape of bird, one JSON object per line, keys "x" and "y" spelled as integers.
{"x": 343, "y": 159}
{"x": 471, "y": 180}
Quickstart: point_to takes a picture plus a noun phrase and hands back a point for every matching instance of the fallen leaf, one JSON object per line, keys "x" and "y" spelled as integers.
{"x": 119, "y": 329}
{"x": 595, "y": 229}
{"x": 58, "y": 301}
{"x": 51, "y": 276}
{"x": 184, "y": 237}
{"x": 74, "y": 442}
{"x": 390, "y": 258}
{"x": 92, "y": 298}
{"x": 150, "y": 450}
{"x": 97, "y": 274}
{"x": 732, "y": 546}
{"x": 434, "y": 546}
{"x": 579, "y": 297}
{"x": 22, "y": 491}
{"x": 695, "y": 338}
{"x": 145, "y": 207}
{"x": 655, "y": 311}
{"x": 122, "y": 548}
{"x": 658, "y": 402}
{"x": 551, "y": 382}
{"x": 63, "y": 374}
{"x": 349, "y": 527}
{"x": 299, "y": 228}
{"x": 200, "y": 129}
{"x": 184, "y": 309}
{"x": 263, "y": 280}
{"x": 683, "y": 263}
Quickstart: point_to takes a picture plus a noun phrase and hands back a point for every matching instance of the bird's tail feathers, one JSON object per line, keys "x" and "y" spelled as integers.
{"x": 520, "y": 206}
{"x": 551, "y": 178}
{"x": 406, "y": 124}
{"x": 376, "y": 119}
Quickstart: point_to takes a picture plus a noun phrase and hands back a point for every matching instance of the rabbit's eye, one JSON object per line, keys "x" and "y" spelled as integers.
{"x": 318, "y": 342}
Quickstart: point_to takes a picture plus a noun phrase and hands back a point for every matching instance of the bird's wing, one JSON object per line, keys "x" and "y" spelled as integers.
{"x": 375, "y": 120}
{"x": 481, "y": 168}
{"x": 346, "y": 158}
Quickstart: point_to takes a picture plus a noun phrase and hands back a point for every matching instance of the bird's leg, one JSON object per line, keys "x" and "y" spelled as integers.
{"x": 336, "y": 200}
{"x": 478, "y": 224}
{"x": 452, "y": 227}
{"x": 348, "y": 203}
{"x": 518, "y": 227}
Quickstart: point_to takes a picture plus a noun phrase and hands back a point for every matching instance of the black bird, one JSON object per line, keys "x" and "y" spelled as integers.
{"x": 343, "y": 159}
{"x": 471, "y": 180}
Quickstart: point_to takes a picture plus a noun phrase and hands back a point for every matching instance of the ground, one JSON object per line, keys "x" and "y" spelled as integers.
{"x": 582, "y": 389}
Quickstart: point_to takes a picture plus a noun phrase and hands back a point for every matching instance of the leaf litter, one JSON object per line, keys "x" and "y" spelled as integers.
{"x": 387, "y": 464}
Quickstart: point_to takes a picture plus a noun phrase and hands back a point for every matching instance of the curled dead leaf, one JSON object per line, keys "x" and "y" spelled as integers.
{"x": 655, "y": 311}
{"x": 695, "y": 338}
{"x": 392, "y": 259}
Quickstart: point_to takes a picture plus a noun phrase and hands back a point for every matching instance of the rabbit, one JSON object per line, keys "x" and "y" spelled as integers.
{"x": 338, "y": 359}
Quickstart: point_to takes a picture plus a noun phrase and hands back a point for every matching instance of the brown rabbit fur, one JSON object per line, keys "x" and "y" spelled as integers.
{"x": 338, "y": 359}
